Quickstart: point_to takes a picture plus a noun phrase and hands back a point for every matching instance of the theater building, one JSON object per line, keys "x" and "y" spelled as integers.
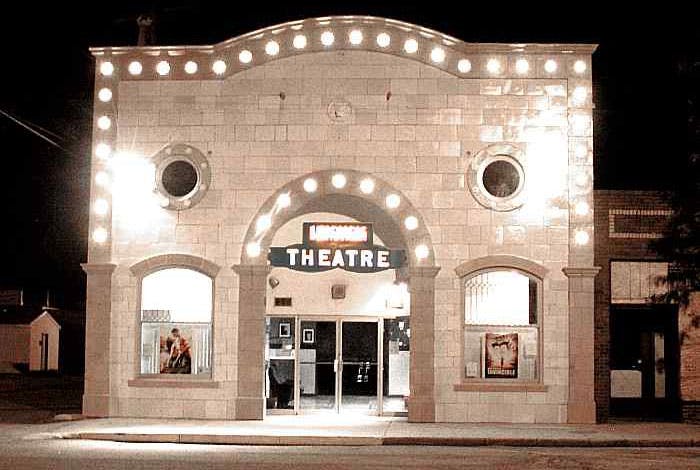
{"x": 347, "y": 215}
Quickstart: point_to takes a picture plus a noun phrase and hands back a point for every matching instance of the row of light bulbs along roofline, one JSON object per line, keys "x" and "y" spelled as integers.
{"x": 355, "y": 38}
{"x": 310, "y": 185}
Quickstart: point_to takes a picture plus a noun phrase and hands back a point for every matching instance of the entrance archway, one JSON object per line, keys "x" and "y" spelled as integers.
{"x": 396, "y": 221}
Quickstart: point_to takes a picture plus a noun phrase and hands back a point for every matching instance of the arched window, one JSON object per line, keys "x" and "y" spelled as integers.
{"x": 176, "y": 314}
{"x": 502, "y": 325}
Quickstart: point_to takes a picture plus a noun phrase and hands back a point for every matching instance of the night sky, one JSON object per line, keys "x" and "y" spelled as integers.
{"x": 46, "y": 73}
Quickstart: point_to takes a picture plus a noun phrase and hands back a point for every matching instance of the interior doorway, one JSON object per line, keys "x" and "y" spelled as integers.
{"x": 349, "y": 365}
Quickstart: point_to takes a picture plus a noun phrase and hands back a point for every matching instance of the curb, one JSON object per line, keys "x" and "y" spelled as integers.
{"x": 263, "y": 440}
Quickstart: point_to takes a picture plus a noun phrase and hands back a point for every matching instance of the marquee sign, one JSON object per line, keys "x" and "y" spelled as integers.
{"x": 326, "y": 246}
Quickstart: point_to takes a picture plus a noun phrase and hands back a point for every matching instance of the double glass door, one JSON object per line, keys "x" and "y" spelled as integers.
{"x": 320, "y": 365}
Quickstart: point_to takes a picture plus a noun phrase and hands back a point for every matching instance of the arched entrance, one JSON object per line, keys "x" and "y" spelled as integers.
{"x": 362, "y": 197}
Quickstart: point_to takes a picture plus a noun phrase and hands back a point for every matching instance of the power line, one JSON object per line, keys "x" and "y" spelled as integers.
{"x": 32, "y": 130}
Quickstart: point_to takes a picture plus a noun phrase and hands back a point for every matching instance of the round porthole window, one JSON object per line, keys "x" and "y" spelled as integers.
{"x": 182, "y": 176}
{"x": 496, "y": 177}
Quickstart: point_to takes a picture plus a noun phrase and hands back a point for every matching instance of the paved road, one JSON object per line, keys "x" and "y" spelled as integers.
{"x": 22, "y": 448}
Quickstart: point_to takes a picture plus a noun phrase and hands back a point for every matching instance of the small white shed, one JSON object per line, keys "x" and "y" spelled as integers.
{"x": 29, "y": 337}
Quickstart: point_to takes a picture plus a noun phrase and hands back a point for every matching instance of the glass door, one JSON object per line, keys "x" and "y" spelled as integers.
{"x": 318, "y": 366}
{"x": 359, "y": 365}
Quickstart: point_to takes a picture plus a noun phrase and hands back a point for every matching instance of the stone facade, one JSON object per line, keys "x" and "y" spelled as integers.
{"x": 412, "y": 122}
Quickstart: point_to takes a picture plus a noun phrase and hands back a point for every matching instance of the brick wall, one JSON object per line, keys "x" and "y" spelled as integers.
{"x": 689, "y": 324}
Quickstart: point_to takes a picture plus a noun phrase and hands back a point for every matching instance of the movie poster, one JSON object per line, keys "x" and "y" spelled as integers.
{"x": 501, "y": 353}
{"x": 175, "y": 352}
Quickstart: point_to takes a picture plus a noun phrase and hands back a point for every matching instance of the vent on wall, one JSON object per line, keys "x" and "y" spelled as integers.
{"x": 283, "y": 301}
{"x": 338, "y": 291}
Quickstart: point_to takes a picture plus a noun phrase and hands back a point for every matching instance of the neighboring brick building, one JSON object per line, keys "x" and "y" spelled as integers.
{"x": 646, "y": 357}
{"x": 450, "y": 184}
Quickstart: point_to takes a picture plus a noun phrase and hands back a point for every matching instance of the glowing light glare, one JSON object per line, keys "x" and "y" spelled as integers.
{"x": 437, "y": 55}
{"x": 522, "y": 66}
{"x": 422, "y": 252}
{"x": 163, "y": 201}
{"x": 550, "y": 66}
{"x": 284, "y": 201}
{"x": 579, "y": 123}
{"x": 263, "y": 223}
{"x": 299, "y": 41}
{"x": 383, "y": 40}
{"x": 191, "y": 67}
{"x": 101, "y": 207}
{"x": 339, "y": 181}
{"x": 355, "y": 37}
{"x": 581, "y": 237}
{"x": 253, "y": 249}
{"x": 579, "y": 95}
{"x": 493, "y": 66}
{"x": 106, "y": 69}
{"x": 393, "y": 201}
{"x": 397, "y": 295}
{"x": 272, "y": 48}
{"x": 103, "y": 150}
{"x": 367, "y": 185}
{"x": 163, "y": 68}
{"x": 464, "y": 66}
{"x": 582, "y": 208}
{"x": 104, "y": 123}
{"x": 99, "y": 235}
{"x": 581, "y": 180}
{"x": 310, "y": 185}
{"x": 410, "y": 46}
{"x": 105, "y": 95}
{"x": 410, "y": 222}
{"x": 580, "y": 66}
{"x": 135, "y": 68}
{"x": 245, "y": 56}
{"x": 102, "y": 179}
{"x": 327, "y": 38}
{"x": 219, "y": 67}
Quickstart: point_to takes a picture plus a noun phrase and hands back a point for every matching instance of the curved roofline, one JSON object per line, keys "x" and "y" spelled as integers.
{"x": 374, "y": 21}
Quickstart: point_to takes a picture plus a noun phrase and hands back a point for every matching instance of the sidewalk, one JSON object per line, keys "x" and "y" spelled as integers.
{"x": 373, "y": 431}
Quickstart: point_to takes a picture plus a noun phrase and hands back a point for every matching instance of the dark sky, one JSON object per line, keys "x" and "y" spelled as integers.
{"x": 46, "y": 74}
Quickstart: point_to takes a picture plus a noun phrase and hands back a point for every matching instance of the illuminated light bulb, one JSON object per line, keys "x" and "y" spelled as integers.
{"x": 310, "y": 185}
{"x": 272, "y": 48}
{"x": 106, "y": 69}
{"x": 550, "y": 66}
{"x": 163, "y": 68}
{"x": 464, "y": 66}
{"x": 581, "y": 208}
{"x": 579, "y": 95}
{"x": 579, "y": 123}
{"x": 493, "y": 66}
{"x": 327, "y": 38}
{"x": 101, "y": 207}
{"x": 284, "y": 201}
{"x": 581, "y": 151}
{"x": 102, "y": 179}
{"x": 191, "y": 67}
{"x": 103, "y": 150}
{"x": 164, "y": 201}
{"x": 355, "y": 37}
{"x": 253, "y": 249}
{"x": 367, "y": 185}
{"x": 410, "y": 46}
{"x": 580, "y": 66}
{"x": 339, "y": 181}
{"x": 437, "y": 55}
{"x": 219, "y": 67}
{"x": 105, "y": 95}
{"x": 410, "y": 222}
{"x": 99, "y": 235}
{"x": 422, "y": 252}
{"x": 299, "y": 41}
{"x": 581, "y": 180}
{"x": 104, "y": 123}
{"x": 581, "y": 237}
{"x": 245, "y": 56}
{"x": 393, "y": 201}
{"x": 383, "y": 40}
{"x": 522, "y": 66}
{"x": 264, "y": 222}
{"x": 135, "y": 68}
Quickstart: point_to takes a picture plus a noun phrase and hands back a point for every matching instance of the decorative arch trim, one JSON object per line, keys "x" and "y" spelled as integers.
{"x": 174, "y": 260}
{"x": 349, "y": 200}
{"x": 501, "y": 261}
